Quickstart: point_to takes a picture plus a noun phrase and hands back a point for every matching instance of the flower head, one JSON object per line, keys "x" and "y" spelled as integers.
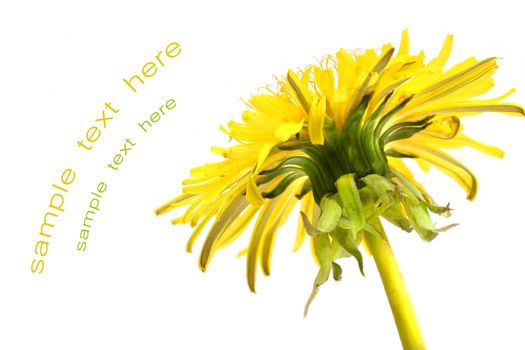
{"x": 332, "y": 139}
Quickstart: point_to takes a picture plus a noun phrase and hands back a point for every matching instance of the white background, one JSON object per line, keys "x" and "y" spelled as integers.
{"x": 135, "y": 287}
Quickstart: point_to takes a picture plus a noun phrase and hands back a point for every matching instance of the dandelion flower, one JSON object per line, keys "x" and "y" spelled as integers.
{"x": 332, "y": 139}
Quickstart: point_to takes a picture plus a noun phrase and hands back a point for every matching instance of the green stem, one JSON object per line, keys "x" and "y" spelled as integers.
{"x": 396, "y": 291}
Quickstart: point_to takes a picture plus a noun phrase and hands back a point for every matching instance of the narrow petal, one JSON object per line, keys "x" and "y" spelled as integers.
{"x": 299, "y": 90}
{"x": 307, "y": 208}
{"x": 252, "y": 193}
{"x": 180, "y": 201}
{"x": 235, "y": 230}
{"x": 281, "y": 213}
{"x": 196, "y": 233}
{"x": 263, "y": 153}
{"x": 444, "y": 162}
{"x": 316, "y": 120}
{"x": 287, "y": 130}
{"x": 230, "y": 215}
{"x": 254, "y": 247}
{"x": 404, "y": 45}
{"x": 440, "y": 61}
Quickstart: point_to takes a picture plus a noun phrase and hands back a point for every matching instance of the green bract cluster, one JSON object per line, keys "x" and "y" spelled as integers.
{"x": 351, "y": 211}
{"x": 359, "y": 148}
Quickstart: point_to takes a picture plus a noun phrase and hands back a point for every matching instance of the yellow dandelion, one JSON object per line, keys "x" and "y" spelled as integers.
{"x": 332, "y": 140}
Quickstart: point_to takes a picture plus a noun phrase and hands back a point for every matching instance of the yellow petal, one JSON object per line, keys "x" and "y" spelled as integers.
{"x": 404, "y": 45}
{"x": 225, "y": 152}
{"x": 235, "y": 208}
{"x": 235, "y": 230}
{"x": 182, "y": 200}
{"x": 423, "y": 164}
{"x": 243, "y": 252}
{"x": 445, "y": 163}
{"x": 440, "y": 61}
{"x": 253, "y": 195}
{"x": 275, "y": 107}
{"x": 316, "y": 120}
{"x": 324, "y": 80}
{"x": 383, "y": 61}
{"x": 287, "y": 130}
{"x": 468, "y": 77}
{"x": 442, "y": 127}
{"x": 254, "y": 246}
{"x": 286, "y": 204}
{"x": 474, "y": 107}
{"x": 263, "y": 154}
{"x": 460, "y": 140}
{"x": 196, "y": 233}
{"x": 299, "y": 90}
{"x": 482, "y": 147}
{"x": 307, "y": 206}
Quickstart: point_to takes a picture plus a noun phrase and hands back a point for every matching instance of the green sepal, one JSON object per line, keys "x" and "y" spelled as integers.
{"x": 324, "y": 256}
{"x": 406, "y": 187}
{"x": 436, "y": 209}
{"x": 395, "y": 215}
{"x": 336, "y": 149}
{"x": 405, "y": 184}
{"x": 297, "y": 162}
{"x": 337, "y": 271}
{"x": 446, "y": 228}
{"x": 417, "y": 207}
{"x": 320, "y": 183}
{"x": 387, "y": 202}
{"x": 368, "y": 202}
{"x": 310, "y": 229}
{"x": 376, "y": 155}
{"x": 330, "y": 213}
{"x": 307, "y": 187}
{"x": 349, "y": 195}
{"x": 417, "y": 213}
{"x": 379, "y": 184}
{"x": 396, "y": 154}
{"x": 283, "y": 185}
{"x": 353, "y": 121}
{"x": 382, "y": 187}
{"x": 346, "y": 240}
{"x": 351, "y": 136}
{"x": 318, "y": 155}
{"x": 344, "y": 223}
{"x": 378, "y": 131}
{"x": 420, "y": 220}
{"x": 404, "y": 130}
{"x": 275, "y": 173}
